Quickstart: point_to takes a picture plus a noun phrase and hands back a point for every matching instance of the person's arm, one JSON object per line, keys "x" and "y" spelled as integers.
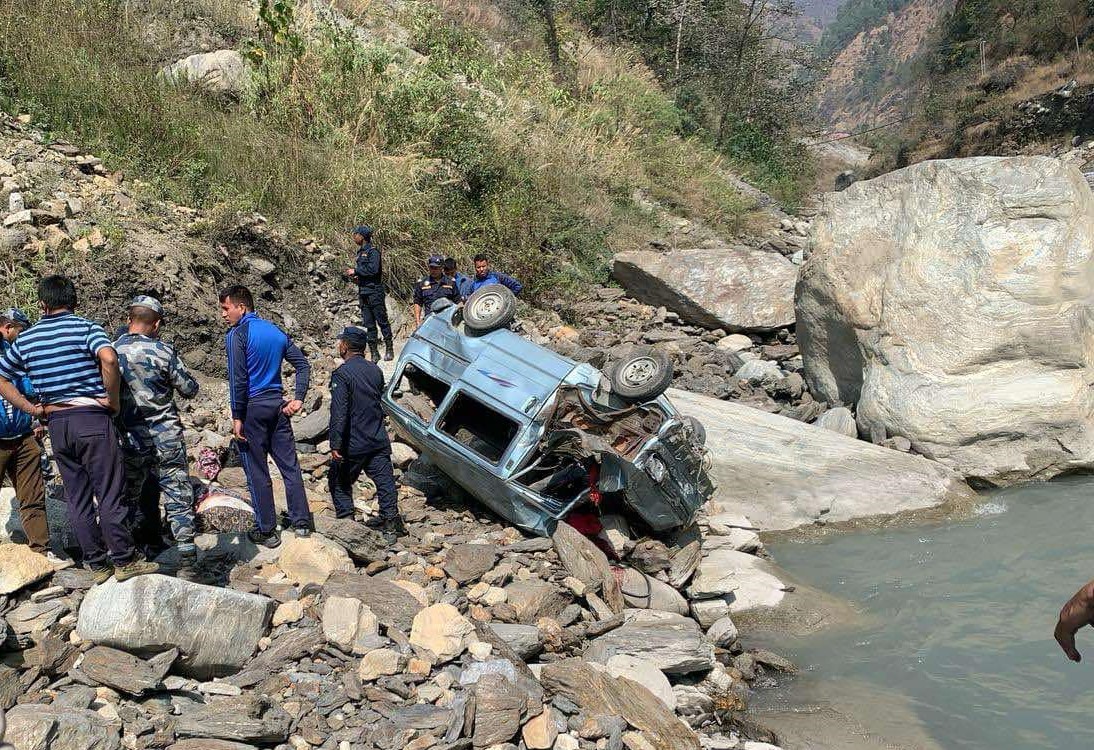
{"x": 302, "y": 368}
{"x": 418, "y": 301}
{"x": 103, "y": 350}
{"x": 186, "y": 385}
{"x": 339, "y": 412}
{"x": 1076, "y": 614}
{"x": 12, "y": 371}
{"x": 239, "y": 380}
{"x": 112, "y": 378}
{"x": 511, "y": 284}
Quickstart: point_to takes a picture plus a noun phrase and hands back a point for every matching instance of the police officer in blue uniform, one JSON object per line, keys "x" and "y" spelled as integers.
{"x": 371, "y": 293}
{"x": 432, "y": 287}
{"x": 358, "y": 440}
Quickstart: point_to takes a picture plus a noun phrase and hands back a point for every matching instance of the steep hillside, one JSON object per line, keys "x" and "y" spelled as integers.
{"x": 966, "y": 78}
{"x": 874, "y": 45}
{"x": 446, "y": 125}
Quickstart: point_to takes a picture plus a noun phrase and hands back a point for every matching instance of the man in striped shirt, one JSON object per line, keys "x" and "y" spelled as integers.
{"x": 74, "y": 370}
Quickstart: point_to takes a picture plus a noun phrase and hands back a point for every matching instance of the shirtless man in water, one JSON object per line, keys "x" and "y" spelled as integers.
{"x": 1077, "y": 613}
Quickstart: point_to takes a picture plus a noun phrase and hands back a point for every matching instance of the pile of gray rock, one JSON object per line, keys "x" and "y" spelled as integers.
{"x": 763, "y": 370}
{"x": 462, "y": 634}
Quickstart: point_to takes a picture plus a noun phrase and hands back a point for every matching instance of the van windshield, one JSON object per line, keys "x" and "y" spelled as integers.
{"x": 419, "y": 392}
{"x": 480, "y": 428}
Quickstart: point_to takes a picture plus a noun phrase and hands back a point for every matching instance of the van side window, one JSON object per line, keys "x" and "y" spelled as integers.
{"x": 419, "y": 393}
{"x": 480, "y": 428}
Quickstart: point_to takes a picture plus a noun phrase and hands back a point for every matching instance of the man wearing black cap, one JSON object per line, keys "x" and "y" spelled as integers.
{"x": 432, "y": 287}
{"x": 358, "y": 439}
{"x": 371, "y": 293}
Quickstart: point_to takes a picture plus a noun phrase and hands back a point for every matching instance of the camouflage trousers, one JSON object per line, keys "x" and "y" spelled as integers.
{"x": 161, "y": 475}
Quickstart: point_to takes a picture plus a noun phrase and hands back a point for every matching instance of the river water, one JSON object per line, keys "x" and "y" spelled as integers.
{"x": 955, "y": 645}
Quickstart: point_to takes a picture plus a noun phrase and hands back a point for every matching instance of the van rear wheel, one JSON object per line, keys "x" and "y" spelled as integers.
{"x": 643, "y": 375}
{"x": 490, "y": 308}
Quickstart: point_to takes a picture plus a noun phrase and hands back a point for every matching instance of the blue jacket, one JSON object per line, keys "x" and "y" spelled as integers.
{"x": 463, "y": 284}
{"x": 356, "y": 419}
{"x": 368, "y": 268}
{"x": 495, "y": 277}
{"x": 15, "y": 423}
{"x": 256, "y": 348}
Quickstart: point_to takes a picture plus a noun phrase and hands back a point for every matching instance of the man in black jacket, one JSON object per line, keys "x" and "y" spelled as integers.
{"x": 367, "y": 272}
{"x": 358, "y": 439}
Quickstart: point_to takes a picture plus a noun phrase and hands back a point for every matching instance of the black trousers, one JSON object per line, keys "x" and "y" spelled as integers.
{"x": 377, "y": 466}
{"x": 374, "y": 312}
{"x": 89, "y": 458}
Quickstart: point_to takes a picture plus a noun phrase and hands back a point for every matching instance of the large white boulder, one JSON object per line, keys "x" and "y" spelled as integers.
{"x": 216, "y": 629}
{"x": 782, "y": 473}
{"x": 733, "y": 288}
{"x": 952, "y": 302}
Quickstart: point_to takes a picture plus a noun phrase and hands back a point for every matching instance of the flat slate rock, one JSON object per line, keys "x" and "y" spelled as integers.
{"x": 125, "y": 672}
{"x": 237, "y": 719}
{"x": 468, "y": 562}
{"x": 535, "y": 544}
{"x": 362, "y": 543}
{"x": 292, "y": 646}
{"x": 391, "y": 604}
{"x": 39, "y": 727}
{"x": 596, "y": 692}
{"x": 207, "y": 744}
{"x": 672, "y": 642}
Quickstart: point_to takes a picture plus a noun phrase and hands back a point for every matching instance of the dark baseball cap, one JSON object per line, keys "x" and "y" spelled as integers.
{"x": 364, "y": 230}
{"x": 354, "y": 336}
{"x": 15, "y": 315}
{"x": 436, "y": 261}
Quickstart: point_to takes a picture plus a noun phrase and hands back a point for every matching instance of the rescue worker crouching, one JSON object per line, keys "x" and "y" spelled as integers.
{"x": 371, "y": 294}
{"x": 432, "y": 287}
{"x": 358, "y": 440}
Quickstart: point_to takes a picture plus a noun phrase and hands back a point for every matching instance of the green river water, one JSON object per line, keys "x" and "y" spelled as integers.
{"x": 955, "y": 649}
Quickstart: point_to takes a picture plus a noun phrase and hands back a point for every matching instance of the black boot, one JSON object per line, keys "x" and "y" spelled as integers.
{"x": 391, "y": 527}
{"x": 374, "y": 350}
{"x": 389, "y": 350}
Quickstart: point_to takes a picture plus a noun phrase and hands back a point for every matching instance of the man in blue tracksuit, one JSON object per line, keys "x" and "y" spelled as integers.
{"x": 485, "y": 275}
{"x": 260, "y": 412}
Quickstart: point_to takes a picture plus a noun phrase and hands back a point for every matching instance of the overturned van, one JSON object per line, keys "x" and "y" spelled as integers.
{"x": 535, "y": 436}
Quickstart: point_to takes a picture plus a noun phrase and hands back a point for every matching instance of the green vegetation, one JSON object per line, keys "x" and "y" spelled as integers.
{"x": 467, "y": 146}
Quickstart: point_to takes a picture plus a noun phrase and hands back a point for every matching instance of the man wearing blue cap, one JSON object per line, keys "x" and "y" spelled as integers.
{"x": 20, "y": 454}
{"x": 432, "y": 287}
{"x": 358, "y": 440}
{"x": 367, "y": 272}
{"x": 153, "y": 447}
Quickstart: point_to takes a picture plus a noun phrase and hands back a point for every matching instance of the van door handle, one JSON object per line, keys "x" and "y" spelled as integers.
{"x": 529, "y": 404}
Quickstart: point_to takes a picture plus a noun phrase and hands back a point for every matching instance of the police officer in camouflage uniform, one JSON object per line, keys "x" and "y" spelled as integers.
{"x": 152, "y": 372}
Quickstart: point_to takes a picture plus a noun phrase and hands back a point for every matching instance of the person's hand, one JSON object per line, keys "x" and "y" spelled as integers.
{"x": 292, "y": 407}
{"x": 1076, "y": 614}
{"x": 237, "y": 430}
{"x": 38, "y": 411}
{"x": 108, "y": 404}
{"x": 336, "y": 455}
{"x": 39, "y": 432}
{"x": 350, "y": 272}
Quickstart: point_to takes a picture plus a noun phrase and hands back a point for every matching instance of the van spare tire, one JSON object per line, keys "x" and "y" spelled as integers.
{"x": 490, "y": 308}
{"x": 642, "y": 375}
